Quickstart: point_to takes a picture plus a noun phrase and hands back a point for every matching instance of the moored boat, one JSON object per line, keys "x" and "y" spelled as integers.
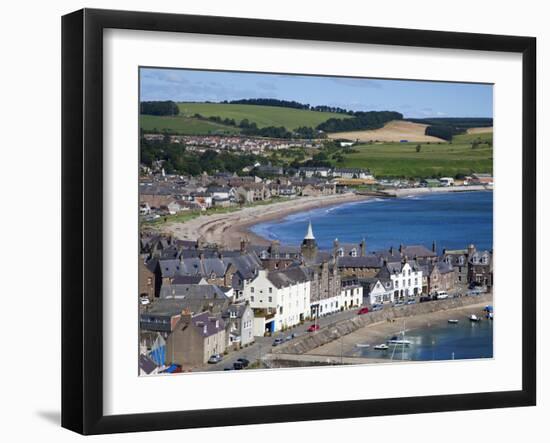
{"x": 398, "y": 341}
{"x": 362, "y": 345}
{"x": 453, "y": 321}
{"x": 474, "y": 317}
{"x": 381, "y": 347}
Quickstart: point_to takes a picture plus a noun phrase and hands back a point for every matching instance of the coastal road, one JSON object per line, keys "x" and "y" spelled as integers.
{"x": 263, "y": 345}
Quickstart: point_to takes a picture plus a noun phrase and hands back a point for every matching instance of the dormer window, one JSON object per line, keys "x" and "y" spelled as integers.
{"x": 354, "y": 252}
{"x": 340, "y": 252}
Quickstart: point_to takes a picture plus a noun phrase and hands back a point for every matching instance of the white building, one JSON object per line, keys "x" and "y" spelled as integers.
{"x": 279, "y": 299}
{"x": 396, "y": 282}
{"x": 447, "y": 181}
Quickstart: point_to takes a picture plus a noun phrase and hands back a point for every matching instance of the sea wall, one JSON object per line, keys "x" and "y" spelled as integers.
{"x": 334, "y": 331}
{"x": 424, "y": 191}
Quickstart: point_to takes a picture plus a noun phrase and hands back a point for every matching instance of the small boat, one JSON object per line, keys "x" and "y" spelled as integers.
{"x": 453, "y": 321}
{"x": 399, "y": 342}
{"x": 362, "y": 345}
{"x": 490, "y": 315}
{"x": 474, "y": 317}
{"x": 381, "y": 347}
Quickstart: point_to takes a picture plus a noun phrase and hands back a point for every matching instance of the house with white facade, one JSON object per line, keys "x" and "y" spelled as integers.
{"x": 396, "y": 281}
{"x": 279, "y": 299}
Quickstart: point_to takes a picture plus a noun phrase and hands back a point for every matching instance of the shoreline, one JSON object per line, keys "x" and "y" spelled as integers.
{"x": 227, "y": 230}
{"x": 379, "y": 332}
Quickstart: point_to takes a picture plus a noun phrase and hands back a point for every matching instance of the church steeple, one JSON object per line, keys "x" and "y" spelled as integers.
{"x": 309, "y": 234}
{"x": 309, "y": 245}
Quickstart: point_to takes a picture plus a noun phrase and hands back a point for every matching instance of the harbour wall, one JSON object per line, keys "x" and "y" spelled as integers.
{"x": 331, "y": 332}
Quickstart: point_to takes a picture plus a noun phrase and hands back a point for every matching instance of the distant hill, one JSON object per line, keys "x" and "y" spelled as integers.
{"x": 263, "y": 116}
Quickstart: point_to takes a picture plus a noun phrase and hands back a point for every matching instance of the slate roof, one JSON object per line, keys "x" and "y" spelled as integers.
{"x": 146, "y": 364}
{"x": 187, "y": 280}
{"x": 206, "y": 324}
{"x": 191, "y": 291}
{"x": 287, "y": 277}
{"x": 367, "y": 261}
{"x": 237, "y": 309}
{"x": 194, "y": 301}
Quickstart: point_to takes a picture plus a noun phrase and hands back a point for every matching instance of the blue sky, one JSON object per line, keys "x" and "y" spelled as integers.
{"x": 418, "y": 99}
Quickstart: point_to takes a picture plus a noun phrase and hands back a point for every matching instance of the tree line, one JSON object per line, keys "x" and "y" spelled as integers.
{"x": 167, "y": 107}
{"x": 360, "y": 121}
{"x": 286, "y": 104}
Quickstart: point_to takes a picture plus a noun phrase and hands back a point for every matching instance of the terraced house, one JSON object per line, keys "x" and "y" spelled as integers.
{"x": 279, "y": 299}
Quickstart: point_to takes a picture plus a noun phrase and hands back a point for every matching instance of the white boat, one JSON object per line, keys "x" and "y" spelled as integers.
{"x": 381, "y": 347}
{"x": 453, "y": 321}
{"x": 474, "y": 317}
{"x": 398, "y": 341}
{"x": 362, "y": 345}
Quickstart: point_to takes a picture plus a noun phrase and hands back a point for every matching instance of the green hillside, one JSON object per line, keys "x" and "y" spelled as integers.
{"x": 183, "y": 125}
{"x": 263, "y": 116}
{"x": 403, "y": 160}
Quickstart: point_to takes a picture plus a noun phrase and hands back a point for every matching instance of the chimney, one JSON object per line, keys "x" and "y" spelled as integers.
{"x": 400, "y": 247}
{"x": 363, "y": 246}
{"x": 391, "y": 250}
{"x": 434, "y": 246}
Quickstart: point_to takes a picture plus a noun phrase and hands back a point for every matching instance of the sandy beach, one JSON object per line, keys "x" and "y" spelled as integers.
{"x": 227, "y": 230}
{"x": 379, "y": 332}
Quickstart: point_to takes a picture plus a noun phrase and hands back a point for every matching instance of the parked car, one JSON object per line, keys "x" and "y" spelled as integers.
{"x": 172, "y": 369}
{"x": 244, "y": 361}
{"x": 238, "y": 365}
{"x": 377, "y": 308}
{"x": 278, "y": 341}
{"x": 425, "y": 298}
{"x": 313, "y": 328}
{"x": 216, "y": 358}
{"x": 441, "y": 295}
{"x": 362, "y": 311}
{"x": 398, "y": 304}
{"x": 412, "y": 301}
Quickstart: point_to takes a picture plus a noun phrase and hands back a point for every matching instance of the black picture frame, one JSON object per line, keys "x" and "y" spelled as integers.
{"x": 82, "y": 188}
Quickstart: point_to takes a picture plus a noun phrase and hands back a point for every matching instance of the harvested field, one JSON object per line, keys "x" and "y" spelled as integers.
{"x": 393, "y": 131}
{"x": 480, "y": 130}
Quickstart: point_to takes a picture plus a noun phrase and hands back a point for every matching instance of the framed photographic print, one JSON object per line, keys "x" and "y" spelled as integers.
{"x": 270, "y": 221}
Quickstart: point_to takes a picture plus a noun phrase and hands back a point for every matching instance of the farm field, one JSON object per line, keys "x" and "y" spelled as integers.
{"x": 263, "y": 116}
{"x": 434, "y": 159}
{"x": 480, "y": 130}
{"x": 393, "y": 131}
{"x": 183, "y": 125}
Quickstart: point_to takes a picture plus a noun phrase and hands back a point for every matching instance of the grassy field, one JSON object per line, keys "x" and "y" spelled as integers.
{"x": 183, "y": 125}
{"x": 262, "y": 115}
{"x": 402, "y": 160}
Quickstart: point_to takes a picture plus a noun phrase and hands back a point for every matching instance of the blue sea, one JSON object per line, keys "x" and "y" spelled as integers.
{"x": 442, "y": 341}
{"x": 453, "y": 220}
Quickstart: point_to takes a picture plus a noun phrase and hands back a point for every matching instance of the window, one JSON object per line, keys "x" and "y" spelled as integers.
{"x": 252, "y": 289}
{"x": 270, "y": 299}
{"x": 251, "y": 298}
{"x": 270, "y": 290}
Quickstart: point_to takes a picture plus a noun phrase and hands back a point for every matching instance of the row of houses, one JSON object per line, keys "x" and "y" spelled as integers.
{"x": 174, "y": 196}
{"x": 201, "y": 300}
